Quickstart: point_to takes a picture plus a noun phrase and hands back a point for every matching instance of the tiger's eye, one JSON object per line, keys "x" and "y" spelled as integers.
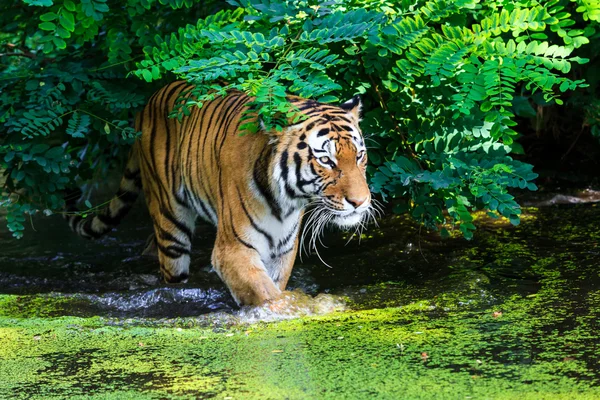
{"x": 325, "y": 160}
{"x": 360, "y": 155}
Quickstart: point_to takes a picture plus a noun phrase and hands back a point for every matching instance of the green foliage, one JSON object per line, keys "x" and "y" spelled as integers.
{"x": 440, "y": 80}
{"x": 442, "y": 83}
{"x": 66, "y": 106}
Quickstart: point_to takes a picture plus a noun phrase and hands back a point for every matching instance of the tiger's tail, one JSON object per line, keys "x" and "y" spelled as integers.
{"x": 110, "y": 216}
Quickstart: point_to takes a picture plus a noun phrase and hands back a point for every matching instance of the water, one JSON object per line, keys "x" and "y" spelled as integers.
{"x": 513, "y": 313}
{"x": 109, "y": 277}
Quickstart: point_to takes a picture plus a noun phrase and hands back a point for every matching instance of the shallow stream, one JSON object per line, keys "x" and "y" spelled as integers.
{"x": 402, "y": 314}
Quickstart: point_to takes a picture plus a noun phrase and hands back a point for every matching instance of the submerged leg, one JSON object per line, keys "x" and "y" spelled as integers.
{"x": 281, "y": 276}
{"x": 242, "y": 270}
{"x": 173, "y": 230}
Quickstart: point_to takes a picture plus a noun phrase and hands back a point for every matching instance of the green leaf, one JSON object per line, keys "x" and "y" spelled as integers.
{"x": 69, "y": 5}
{"x": 67, "y": 21}
{"x": 47, "y": 26}
{"x": 48, "y": 16}
{"x": 39, "y": 3}
{"x": 328, "y": 99}
{"x": 39, "y": 148}
{"x": 147, "y": 75}
{"x": 59, "y": 42}
{"x": 486, "y": 106}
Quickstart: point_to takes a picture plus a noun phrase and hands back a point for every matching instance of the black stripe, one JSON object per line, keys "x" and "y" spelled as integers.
{"x": 221, "y": 102}
{"x": 154, "y": 178}
{"x": 168, "y": 236}
{"x": 308, "y": 105}
{"x": 164, "y": 103}
{"x": 282, "y": 253}
{"x": 292, "y": 193}
{"x": 74, "y": 222}
{"x": 180, "y": 200}
{"x": 237, "y": 237}
{"x": 314, "y": 171}
{"x": 217, "y": 103}
{"x": 86, "y": 227}
{"x": 203, "y": 206}
{"x": 126, "y": 196}
{"x": 261, "y": 177}
{"x": 106, "y": 219}
{"x": 344, "y": 127}
{"x": 206, "y": 133}
{"x": 343, "y": 119}
{"x": 315, "y": 112}
{"x": 113, "y": 220}
{"x": 335, "y": 114}
{"x": 284, "y": 175}
{"x": 300, "y": 182}
{"x": 285, "y": 240}
{"x": 323, "y": 132}
{"x": 283, "y": 165}
{"x": 153, "y": 132}
{"x": 178, "y": 224}
{"x": 253, "y": 223}
{"x": 234, "y": 113}
{"x": 131, "y": 174}
{"x": 172, "y": 251}
{"x": 327, "y": 184}
{"x": 224, "y": 114}
{"x": 192, "y": 123}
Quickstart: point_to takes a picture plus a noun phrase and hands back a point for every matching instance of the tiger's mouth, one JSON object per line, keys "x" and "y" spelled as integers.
{"x": 350, "y": 219}
{"x": 321, "y": 215}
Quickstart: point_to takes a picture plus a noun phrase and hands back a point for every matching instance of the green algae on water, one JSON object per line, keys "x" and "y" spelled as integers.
{"x": 513, "y": 314}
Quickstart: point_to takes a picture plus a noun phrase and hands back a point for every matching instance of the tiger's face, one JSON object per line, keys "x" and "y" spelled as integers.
{"x": 328, "y": 164}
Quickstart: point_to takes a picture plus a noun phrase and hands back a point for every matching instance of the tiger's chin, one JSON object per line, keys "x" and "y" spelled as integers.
{"x": 349, "y": 220}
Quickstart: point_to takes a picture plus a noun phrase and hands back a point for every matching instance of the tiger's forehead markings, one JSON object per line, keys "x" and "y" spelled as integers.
{"x": 332, "y": 142}
{"x": 326, "y": 127}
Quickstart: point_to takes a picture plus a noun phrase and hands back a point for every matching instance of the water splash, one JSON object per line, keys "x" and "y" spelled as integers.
{"x": 291, "y": 305}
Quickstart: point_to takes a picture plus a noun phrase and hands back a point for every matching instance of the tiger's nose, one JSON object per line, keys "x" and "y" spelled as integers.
{"x": 356, "y": 202}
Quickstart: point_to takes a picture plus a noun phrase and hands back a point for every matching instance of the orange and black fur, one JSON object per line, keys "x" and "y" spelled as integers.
{"x": 253, "y": 188}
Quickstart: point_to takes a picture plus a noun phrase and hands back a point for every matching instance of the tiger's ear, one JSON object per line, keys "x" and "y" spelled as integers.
{"x": 354, "y": 106}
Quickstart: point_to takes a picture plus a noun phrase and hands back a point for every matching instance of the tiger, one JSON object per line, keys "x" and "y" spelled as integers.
{"x": 255, "y": 189}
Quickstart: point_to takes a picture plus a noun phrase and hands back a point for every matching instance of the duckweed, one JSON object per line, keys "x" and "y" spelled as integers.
{"x": 513, "y": 314}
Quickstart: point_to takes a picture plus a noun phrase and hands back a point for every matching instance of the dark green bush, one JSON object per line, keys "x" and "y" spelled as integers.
{"x": 441, "y": 82}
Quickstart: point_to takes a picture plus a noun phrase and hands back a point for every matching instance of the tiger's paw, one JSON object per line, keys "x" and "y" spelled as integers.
{"x": 292, "y": 304}
{"x": 258, "y": 296}
{"x": 181, "y": 278}
{"x": 289, "y": 301}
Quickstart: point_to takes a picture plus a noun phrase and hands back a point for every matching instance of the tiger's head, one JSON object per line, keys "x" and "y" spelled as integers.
{"x": 323, "y": 164}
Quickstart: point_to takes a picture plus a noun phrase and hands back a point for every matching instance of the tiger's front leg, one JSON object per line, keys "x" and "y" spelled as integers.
{"x": 244, "y": 273}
